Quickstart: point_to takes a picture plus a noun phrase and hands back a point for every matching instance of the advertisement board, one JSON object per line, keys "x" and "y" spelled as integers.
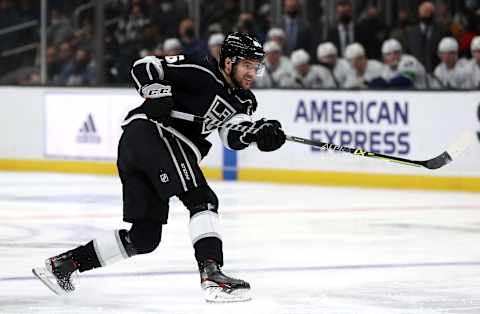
{"x": 414, "y": 125}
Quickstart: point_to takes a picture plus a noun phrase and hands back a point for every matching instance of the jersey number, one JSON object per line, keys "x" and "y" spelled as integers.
{"x": 173, "y": 59}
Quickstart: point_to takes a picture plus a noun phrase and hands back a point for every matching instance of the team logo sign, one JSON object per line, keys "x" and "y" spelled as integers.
{"x": 220, "y": 110}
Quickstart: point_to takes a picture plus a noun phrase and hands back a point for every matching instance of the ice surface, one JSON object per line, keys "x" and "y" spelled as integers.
{"x": 303, "y": 249}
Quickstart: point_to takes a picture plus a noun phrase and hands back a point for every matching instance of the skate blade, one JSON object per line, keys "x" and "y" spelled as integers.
{"x": 43, "y": 275}
{"x": 218, "y": 295}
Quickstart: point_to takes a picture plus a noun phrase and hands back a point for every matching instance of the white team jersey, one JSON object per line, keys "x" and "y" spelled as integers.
{"x": 475, "y": 74}
{"x": 373, "y": 70}
{"x": 458, "y": 77}
{"x": 314, "y": 78}
{"x": 272, "y": 78}
{"x": 409, "y": 67}
{"x": 341, "y": 71}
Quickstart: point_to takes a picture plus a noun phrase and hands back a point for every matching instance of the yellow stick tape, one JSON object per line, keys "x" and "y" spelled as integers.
{"x": 358, "y": 179}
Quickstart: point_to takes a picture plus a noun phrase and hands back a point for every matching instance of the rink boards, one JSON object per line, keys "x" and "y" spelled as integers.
{"x": 77, "y": 130}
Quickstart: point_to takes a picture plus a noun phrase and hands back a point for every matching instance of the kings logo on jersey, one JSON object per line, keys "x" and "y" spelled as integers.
{"x": 220, "y": 110}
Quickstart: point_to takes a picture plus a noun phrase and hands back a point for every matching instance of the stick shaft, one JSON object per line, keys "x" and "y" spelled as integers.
{"x": 440, "y": 160}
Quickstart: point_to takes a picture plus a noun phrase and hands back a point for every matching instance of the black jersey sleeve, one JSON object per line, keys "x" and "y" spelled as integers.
{"x": 239, "y": 140}
{"x": 156, "y": 77}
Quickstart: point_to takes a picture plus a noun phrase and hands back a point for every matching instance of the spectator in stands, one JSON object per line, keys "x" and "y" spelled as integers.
{"x": 53, "y": 65}
{"x": 373, "y": 25}
{"x": 214, "y": 44}
{"x": 166, "y": 14}
{"x": 80, "y": 71}
{"x": 423, "y": 38}
{"x": 277, "y": 66}
{"x": 172, "y": 47}
{"x": 60, "y": 28}
{"x": 453, "y": 72}
{"x": 297, "y": 33}
{"x": 186, "y": 32}
{"x": 345, "y": 32}
{"x": 327, "y": 55}
{"x": 475, "y": 62}
{"x": 65, "y": 56}
{"x": 363, "y": 72}
{"x": 277, "y": 35}
{"x": 402, "y": 70}
{"x": 214, "y": 28}
{"x": 404, "y": 25}
{"x": 246, "y": 24}
{"x": 130, "y": 27}
{"x": 304, "y": 74}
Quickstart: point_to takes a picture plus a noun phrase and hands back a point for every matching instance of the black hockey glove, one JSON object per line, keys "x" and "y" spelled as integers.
{"x": 270, "y": 137}
{"x": 159, "y": 109}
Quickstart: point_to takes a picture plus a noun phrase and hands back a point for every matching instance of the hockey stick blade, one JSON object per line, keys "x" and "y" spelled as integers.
{"x": 454, "y": 151}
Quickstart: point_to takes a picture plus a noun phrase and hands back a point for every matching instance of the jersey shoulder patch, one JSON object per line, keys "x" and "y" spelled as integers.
{"x": 246, "y": 99}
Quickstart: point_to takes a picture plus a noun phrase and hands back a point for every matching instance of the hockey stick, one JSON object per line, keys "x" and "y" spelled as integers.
{"x": 434, "y": 163}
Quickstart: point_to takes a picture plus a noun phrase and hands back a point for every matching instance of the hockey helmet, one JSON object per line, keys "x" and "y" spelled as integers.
{"x": 475, "y": 44}
{"x": 391, "y": 45}
{"x": 239, "y": 46}
{"x": 326, "y": 49}
{"x": 448, "y": 44}
{"x": 354, "y": 50}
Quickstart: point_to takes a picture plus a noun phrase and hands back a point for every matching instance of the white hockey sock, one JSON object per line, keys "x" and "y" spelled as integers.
{"x": 109, "y": 248}
{"x": 204, "y": 224}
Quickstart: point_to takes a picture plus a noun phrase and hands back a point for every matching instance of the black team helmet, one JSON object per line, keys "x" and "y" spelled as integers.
{"x": 238, "y": 46}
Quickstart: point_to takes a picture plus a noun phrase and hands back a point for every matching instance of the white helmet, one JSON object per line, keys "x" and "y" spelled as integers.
{"x": 475, "y": 44}
{"x": 448, "y": 44}
{"x": 172, "y": 44}
{"x": 216, "y": 39}
{"x": 271, "y": 46}
{"x": 391, "y": 45}
{"x": 326, "y": 49}
{"x": 299, "y": 57}
{"x": 275, "y": 32}
{"x": 354, "y": 50}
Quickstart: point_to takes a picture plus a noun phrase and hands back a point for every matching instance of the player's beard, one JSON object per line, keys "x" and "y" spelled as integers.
{"x": 236, "y": 82}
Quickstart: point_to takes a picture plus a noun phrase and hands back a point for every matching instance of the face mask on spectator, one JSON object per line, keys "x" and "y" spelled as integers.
{"x": 292, "y": 13}
{"x": 426, "y": 20}
{"x": 403, "y": 22}
{"x": 248, "y": 25}
{"x": 189, "y": 32}
{"x": 345, "y": 18}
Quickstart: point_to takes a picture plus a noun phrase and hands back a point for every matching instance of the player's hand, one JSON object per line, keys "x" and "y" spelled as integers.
{"x": 159, "y": 109}
{"x": 270, "y": 137}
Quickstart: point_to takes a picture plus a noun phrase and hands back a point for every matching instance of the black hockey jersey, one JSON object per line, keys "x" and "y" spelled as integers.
{"x": 197, "y": 87}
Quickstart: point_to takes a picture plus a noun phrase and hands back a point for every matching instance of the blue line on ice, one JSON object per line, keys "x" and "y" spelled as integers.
{"x": 271, "y": 269}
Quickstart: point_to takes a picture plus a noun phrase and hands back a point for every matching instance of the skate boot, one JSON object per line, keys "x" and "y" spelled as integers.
{"x": 220, "y": 288}
{"x": 59, "y": 273}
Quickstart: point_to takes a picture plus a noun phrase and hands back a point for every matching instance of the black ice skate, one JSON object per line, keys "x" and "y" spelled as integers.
{"x": 58, "y": 273}
{"x": 220, "y": 288}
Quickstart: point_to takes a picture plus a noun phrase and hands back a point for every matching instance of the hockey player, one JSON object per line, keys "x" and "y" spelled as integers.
{"x": 475, "y": 62}
{"x": 327, "y": 55}
{"x": 452, "y": 72}
{"x": 304, "y": 74}
{"x": 363, "y": 72}
{"x": 402, "y": 70}
{"x": 158, "y": 157}
{"x": 277, "y": 66}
